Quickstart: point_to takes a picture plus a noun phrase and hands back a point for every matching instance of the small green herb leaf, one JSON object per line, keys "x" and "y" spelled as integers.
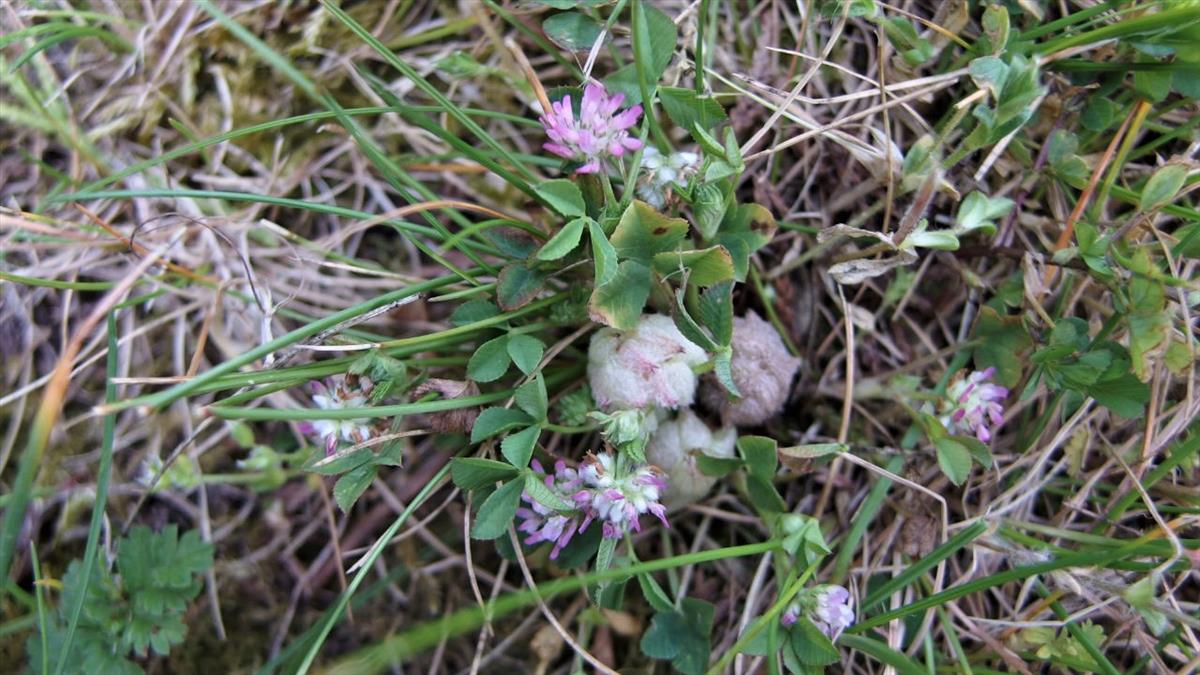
{"x": 619, "y": 302}
{"x": 493, "y": 421}
{"x": 352, "y": 485}
{"x": 531, "y": 397}
{"x": 497, "y": 511}
{"x": 517, "y": 447}
{"x": 563, "y": 195}
{"x": 490, "y": 361}
{"x": 472, "y": 473}
{"x": 954, "y": 459}
{"x": 564, "y": 241}
{"x": 572, "y": 30}
{"x": 526, "y": 351}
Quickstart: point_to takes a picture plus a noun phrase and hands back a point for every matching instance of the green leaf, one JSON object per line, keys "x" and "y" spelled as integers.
{"x": 490, "y": 361}
{"x": 338, "y": 463}
{"x": 812, "y": 647}
{"x": 1186, "y": 81}
{"x": 572, "y": 30}
{"x": 1003, "y": 343}
{"x": 979, "y": 452}
{"x": 661, "y": 35}
{"x": 526, "y": 351}
{"x": 619, "y": 303}
{"x": 914, "y": 49}
{"x": 1125, "y": 395}
{"x": 988, "y": 72}
{"x": 473, "y": 311}
{"x": 686, "y": 109}
{"x": 718, "y": 467}
{"x": 936, "y": 239}
{"x": 472, "y": 473}
{"x": 497, "y": 511}
{"x": 705, "y": 266}
{"x": 1153, "y": 85}
{"x": 1162, "y": 187}
{"x": 241, "y": 434}
{"x": 763, "y": 495}
{"x": 564, "y": 241}
{"x": 512, "y": 242}
{"x": 517, "y": 285}
{"x": 1099, "y": 114}
{"x": 746, "y": 228}
{"x": 517, "y": 447}
{"x": 723, "y": 369}
{"x": 604, "y": 256}
{"x": 688, "y": 326}
{"x": 158, "y": 574}
{"x": 531, "y": 397}
{"x": 954, "y": 459}
{"x": 716, "y": 311}
{"x": 352, "y": 485}
{"x": 493, "y": 421}
{"x": 996, "y": 26}
{"x": 1141, "y": 593}
{"x": 681, "y": 636}
{"x": 1149, "y": 323}
{"x": 642, "y": 232}
{"x": 537, "y": 489}
{"x": 1177, "y": 358}
{"x": 665, "y": 636}
{"x": 563, "y": 195}
{"x": 761, "y": 455}
{"x": 978, "y": 211}
{"x": 709, "y": 204}
{"x": 387, "y": 374}
{"x": 655, "y": 595}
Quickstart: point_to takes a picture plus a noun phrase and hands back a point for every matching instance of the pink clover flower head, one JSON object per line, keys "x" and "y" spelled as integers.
{"x": 599, "y": 131}
{"x": 546, "y": 523}
{"x": 330, "y": 396}
{"x": 598, "y": 490}
{"x": 828, "y": 606}
{"x": 974, "y": 405}
{"x": 620, "y": 499}
{"x": 832, "y": 610}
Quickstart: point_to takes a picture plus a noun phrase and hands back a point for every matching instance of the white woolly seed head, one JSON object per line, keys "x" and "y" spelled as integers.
{"x": 649, "y": 366}
{"x": 674, "y": 447}
{"x": 762, "y": 370}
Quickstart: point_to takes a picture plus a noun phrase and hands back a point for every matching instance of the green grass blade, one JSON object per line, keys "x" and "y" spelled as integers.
{"x": 882, "y": 653}
{"x": 909, "y": 575}
{"x": 424, "y": 85}
{"x": 103, "y": 475}
{"x": 862, "y": 520}
{"x": 1177, "y": 17}
{"x": 72, "y": 33}
{"x": 410, "y": 228}
{"x": 368, "y": 566}
{"x": 161, "y": 399}
{"x": 1087, "y": 559}
{"x": 392, "y": 650}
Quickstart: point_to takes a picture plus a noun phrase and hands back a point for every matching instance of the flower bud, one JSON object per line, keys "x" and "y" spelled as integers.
{"x": 627, "y": 430}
